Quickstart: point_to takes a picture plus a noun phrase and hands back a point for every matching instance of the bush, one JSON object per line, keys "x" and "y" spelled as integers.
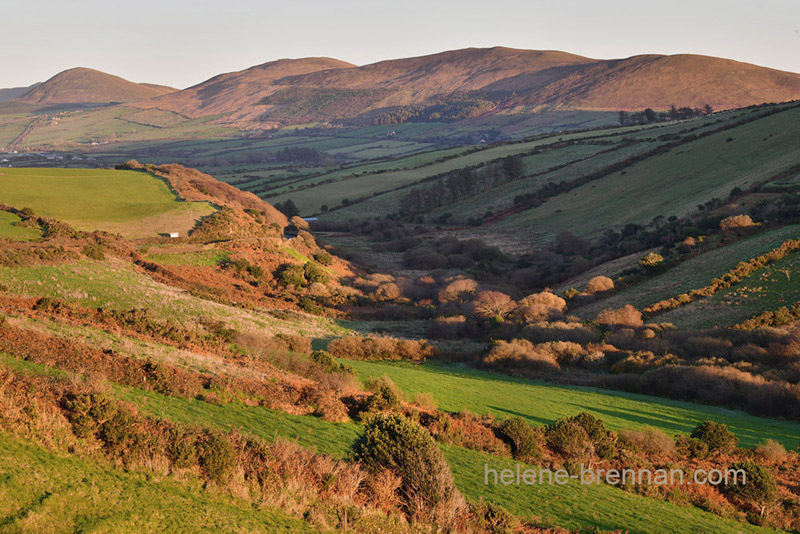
{"x": 396, "y": 443}
{"x": 736, "y": 221}
{"x": 521, "y": 353}
{"x": 691, "y": 447}
{"x": 568, "y": 437}
{"x": 94, "y": 251}
{"x": 755, "y": 485}
{"x": 314, "y": 273}
{"x": 716, "y": 436}
{"x": 291, "y": 275}
{"x": 524, "y": 440}
{"x": 380, "y": 348}
{"x": 771, "y": 451}
{"x": 458, "y": 290}
{"x": 622, "y": 317}
{"x": 181, "y": 450}
{"x": 87, "y": 411}
{"x": 599, "y": 284}
{"x": 493, "y": 305}
{"x": 651, "y": 261}
{"x": 216, "y": 457}
{"x": 385, "y": 399}
{"x": 651, "y": 442}
{"x": 603, "y": 440}
{"x": 323, "y": 258}
{"x": 425, "y": 400}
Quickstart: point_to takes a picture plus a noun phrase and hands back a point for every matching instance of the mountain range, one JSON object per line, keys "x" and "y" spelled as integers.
{"x": 449, "y": 85}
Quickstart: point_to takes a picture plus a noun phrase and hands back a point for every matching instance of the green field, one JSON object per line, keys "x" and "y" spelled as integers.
{"x": 131, "y": 203}
{"x": 673, "y": 183}
{"x": 693, "y": 273}
{"x": 10, "y": 228}
{"x": 457, "y": 388}
{"x": 774, "y": 286}
{"x": 119, "y": 286}
{"x": 42, "y": 491}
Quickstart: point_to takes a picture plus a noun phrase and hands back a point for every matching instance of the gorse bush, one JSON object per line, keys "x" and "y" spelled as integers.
{"x": 380, "y": 348}
{"x": 603, "y": 440}
{"x": 525, "y": 441}
{"x": 755, "y": 485}
{"x": 291, "y": 275}
{"x": 216, "y": 457}
{"x": 567, "y": 437}
{"x": 716, "y": 436}
{"x": 396, "y": 443}
{"x": 314, "y": 273}
{"x": 323, "y": 258}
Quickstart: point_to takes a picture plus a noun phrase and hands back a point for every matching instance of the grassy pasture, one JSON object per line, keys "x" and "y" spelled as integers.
{"x": 131, "y": 203}
{"x": 774, "y": 286}
{"x": 691, "y": 274}
{"x": 458, "y": 388}
{"x": 119, "y": 286}
{"x": 43, "y": 491}
{"x": 10, "y": 228}
{"x": 673, "y": 183}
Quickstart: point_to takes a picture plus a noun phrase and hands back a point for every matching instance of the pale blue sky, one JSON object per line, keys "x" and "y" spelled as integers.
{"x": 183, "y": 42}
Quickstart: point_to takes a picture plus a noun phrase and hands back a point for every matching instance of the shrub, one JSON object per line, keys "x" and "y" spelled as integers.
{"x": 425, "y": 400}
{"x": 716, "y": 436}
{"x": 653, "y": 443}
{"x": 626, "y": 316}
{"x": 216, "y": 457}
{"x": 380, "y": 348}
{"x": 545, "y": 298}
{"x": 521, "y": 353}
{"x": 568, "y": 437}
{"x": 323, "y": 258}
{"x": 181, "y": 450}
{"x": 396, "y": 443}
{"x": 94, "y": 251}
{"x": 736, "y": 221}
{"x": 458, "y": 290}
{"x": 524, "y": 440}
{"x": 493, "y": 305}
{"x": 771, "y": 451}
{"x": 691, "y": 447}
{"x": 754, "y": 485}
{"x": 651, "y": 261}
{"x": 291, "y": 275}
{"x": 385, "y": 399}
{"x": 599, "y": 284}
{"x": 86, "y": 412}
{"x": 603, "y": 440}
{"x": 314, "y": 273}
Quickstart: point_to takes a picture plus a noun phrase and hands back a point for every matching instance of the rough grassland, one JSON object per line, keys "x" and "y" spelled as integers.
{"x": 44, "y": 492}
{"x": 673, "y": 183}
{"x": 774, "y": 286}
{"x": 691, "y": 274}
{"x": 131, "y": 203}
{"x": 458, "y": 388}
{"x": 571, "y": 505}
{"x": 117, "y": 285}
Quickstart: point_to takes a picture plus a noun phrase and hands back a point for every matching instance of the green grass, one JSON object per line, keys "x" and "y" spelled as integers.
{"x": 42, "y": 491}
{"x": 199, "y": 258}
{"x": 693, "y": 273}
{"x": 117, "y": 285}
{"x": 457, "y": 388}
{"x": 673, "y": 183}
{"x": 572, "y": 505}
{"x": 10, "y": 228}
{"x": 132, "y": 203}
{"x": 774, "y": 286}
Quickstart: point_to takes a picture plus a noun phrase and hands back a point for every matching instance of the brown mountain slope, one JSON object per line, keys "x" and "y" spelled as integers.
{"x": 13, "y": 92}
{"x": 239, "y": 93}
{"x": 497, "y": 79}
{"x": 82, "y": 85}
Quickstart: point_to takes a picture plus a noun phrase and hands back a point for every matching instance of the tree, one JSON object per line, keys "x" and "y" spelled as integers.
{"x": 708, "y": 109}
{"x": 651, "y": 261}
{"x": 493, "y": 304}
{"x": 623, "y": 118}
{"x": 650, "y": 115}
{"x": 289, "y": 209}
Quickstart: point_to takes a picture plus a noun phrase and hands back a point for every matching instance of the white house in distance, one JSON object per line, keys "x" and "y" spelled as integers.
{"x": 173, "y": 235}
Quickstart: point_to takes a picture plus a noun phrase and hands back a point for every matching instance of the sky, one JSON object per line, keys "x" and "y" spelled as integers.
{"x": 184, "y": 42}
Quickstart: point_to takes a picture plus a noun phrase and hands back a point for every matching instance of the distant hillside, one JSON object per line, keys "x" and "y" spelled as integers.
{"x": 14, "y": 92}
{"x": 474, "y": 82}
{"x": 82, "y": 85}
